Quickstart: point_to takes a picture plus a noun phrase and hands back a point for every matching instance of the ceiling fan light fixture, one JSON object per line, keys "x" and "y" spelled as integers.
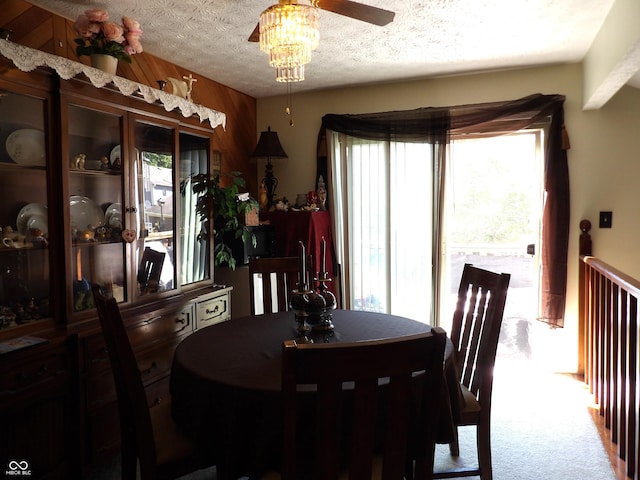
{"x": 289, "y": 33}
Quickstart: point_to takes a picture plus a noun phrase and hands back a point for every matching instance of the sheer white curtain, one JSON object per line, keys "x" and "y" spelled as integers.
{"x": 383, "y": 199}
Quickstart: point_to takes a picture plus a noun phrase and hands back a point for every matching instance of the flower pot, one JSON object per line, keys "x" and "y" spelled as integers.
{"x": 106, "y": 63}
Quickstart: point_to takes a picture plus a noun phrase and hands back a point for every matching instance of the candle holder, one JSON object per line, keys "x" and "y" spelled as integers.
{"x": 299, "y": 302}
{"x": 325, "y": 320}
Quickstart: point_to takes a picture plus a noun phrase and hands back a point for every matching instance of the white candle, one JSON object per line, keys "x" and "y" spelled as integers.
{"x": 303, "y": 267}
{"x": 323, "y": 250}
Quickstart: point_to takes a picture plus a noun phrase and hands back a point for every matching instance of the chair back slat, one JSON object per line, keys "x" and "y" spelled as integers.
{"x": 476, "y": 326}
{"x": 279, "y": 276}
{"x": 379, "y": 396}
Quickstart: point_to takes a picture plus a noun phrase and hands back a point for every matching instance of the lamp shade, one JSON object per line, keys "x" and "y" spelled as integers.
{"x": 269, "y": 146}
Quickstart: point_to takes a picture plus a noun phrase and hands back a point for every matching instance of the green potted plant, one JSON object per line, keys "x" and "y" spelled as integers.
{"x": 220, "y": 198}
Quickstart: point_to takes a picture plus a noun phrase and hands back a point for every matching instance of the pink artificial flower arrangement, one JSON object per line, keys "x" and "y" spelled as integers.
{"x": 99, "y": 35}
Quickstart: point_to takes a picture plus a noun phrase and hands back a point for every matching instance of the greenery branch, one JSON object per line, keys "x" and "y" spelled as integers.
{"x": 220, "y": 197}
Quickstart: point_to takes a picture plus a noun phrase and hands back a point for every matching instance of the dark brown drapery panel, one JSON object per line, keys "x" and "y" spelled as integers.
{"x": 439, "y": 124}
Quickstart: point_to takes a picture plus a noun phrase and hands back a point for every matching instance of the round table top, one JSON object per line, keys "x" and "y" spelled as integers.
{"x": 245, "y": 353}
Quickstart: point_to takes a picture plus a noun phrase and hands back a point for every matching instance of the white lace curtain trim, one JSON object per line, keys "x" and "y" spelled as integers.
{"x": 28, "y": 59}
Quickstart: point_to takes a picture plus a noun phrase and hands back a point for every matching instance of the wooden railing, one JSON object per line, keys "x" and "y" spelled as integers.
{"x": 609, "y": 327}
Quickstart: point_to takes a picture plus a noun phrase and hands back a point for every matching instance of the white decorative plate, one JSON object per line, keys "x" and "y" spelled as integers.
{"x": 115, "y": 221}
{"x": 26, "y": 213}
{"x": 26, "y": 147}
{"x": 85, "y": 212}
{"x": 114, "y": 208}
{"x": 115, "y": 154}
{"x": 113, "y": 215}
{"x": 39, "y": 222}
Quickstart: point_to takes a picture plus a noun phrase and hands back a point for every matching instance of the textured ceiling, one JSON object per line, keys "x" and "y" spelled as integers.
{"x": 427, "y": 38}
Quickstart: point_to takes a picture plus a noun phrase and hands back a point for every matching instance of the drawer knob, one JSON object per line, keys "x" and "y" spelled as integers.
{"x": 182, "y": 321}
{"x": 101, "y": 355}
{"x": 41, "y": 371}
{"x": 153, "y": 366}
{"x": 215, "y": 310}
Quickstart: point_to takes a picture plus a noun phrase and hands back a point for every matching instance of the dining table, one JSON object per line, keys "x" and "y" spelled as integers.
{"x": 226, "y": 379}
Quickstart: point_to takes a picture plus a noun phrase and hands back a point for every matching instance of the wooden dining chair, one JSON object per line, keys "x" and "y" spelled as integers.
{"x": 150, "y": 270}
{"x": 278, "y": 277}
{"x": 475, "y": 331}
{"x": 150, "y": 440}
{"x": 366, "y": 431}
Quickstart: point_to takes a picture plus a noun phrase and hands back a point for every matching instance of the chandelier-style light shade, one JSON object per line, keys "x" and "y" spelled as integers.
{"x": 289, "y": 33}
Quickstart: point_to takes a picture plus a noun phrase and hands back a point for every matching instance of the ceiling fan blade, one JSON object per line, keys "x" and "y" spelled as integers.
{"x": 255, "y": 35}
{"x": 359, "y": 11}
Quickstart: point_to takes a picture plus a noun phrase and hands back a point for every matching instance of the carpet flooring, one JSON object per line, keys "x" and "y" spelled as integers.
{"x": 541, "y": 428}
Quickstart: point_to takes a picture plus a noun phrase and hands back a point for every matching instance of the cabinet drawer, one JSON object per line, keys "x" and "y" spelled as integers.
{"x": 156, "y": 362}
{"x": 103, "y": 433}
{"x": 96, "y": 357}
{"x": 161, "y": 327}
{"x": 158, "y": 392}
{"x": 213, "y": 310}
{"x": 42, "y": 367}
{"x": 101, "y": 390}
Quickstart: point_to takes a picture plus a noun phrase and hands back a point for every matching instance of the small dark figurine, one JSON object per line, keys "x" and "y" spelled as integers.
{"x": 105, "y": 164}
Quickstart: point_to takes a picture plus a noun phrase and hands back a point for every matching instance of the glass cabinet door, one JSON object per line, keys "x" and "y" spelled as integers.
{"x": 25, "y": 288}
{"x": 153, "y": 190}
{"x": 96, "y": 215}
{"x": 194, "y": 239}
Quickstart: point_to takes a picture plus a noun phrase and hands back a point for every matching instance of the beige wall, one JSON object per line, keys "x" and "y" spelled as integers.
{"x": 604, "y": 159}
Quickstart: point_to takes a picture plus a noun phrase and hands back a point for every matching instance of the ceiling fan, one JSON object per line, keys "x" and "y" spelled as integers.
{"x": 348, "y": 8}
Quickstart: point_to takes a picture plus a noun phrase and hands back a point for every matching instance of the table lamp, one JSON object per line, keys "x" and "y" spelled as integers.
{"x": 269, "y": 147}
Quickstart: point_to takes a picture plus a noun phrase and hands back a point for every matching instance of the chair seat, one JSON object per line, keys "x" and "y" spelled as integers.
{"x": 471, "y": 408}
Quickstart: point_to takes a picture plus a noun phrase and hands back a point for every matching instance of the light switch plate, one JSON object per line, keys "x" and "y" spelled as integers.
{"x": 606, "y": 219}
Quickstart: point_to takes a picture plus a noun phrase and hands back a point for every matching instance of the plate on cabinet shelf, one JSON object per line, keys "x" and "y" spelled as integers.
{"x": 111, "y": 209}
{"x": 38, "y": 222}
{"x": 115, "y": 157}
{"x": 26, "y": 213}
{"x": 113, "y": 215}
{"x": 26, "y": 147}
{"x": 85, "y": 212}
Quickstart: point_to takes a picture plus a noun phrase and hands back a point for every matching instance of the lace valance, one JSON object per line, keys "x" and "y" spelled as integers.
{"x": 28, "y": 59}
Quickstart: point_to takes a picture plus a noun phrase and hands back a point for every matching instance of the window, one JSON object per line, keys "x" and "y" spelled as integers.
{"x": 493, "y": 213}
{"x": 438, "y": 125}
{"x": 493, "y": 208}
{"x": 389, "y": 205}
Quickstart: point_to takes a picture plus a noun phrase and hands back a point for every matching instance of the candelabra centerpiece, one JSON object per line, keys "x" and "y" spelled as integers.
{"x": 313, "y": 308}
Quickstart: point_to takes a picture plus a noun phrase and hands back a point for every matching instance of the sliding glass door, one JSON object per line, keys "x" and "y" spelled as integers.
{"x": 389, "y": 225}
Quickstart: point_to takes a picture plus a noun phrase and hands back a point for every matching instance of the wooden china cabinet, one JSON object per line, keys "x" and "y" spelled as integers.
{"x": 95, "y": 188}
